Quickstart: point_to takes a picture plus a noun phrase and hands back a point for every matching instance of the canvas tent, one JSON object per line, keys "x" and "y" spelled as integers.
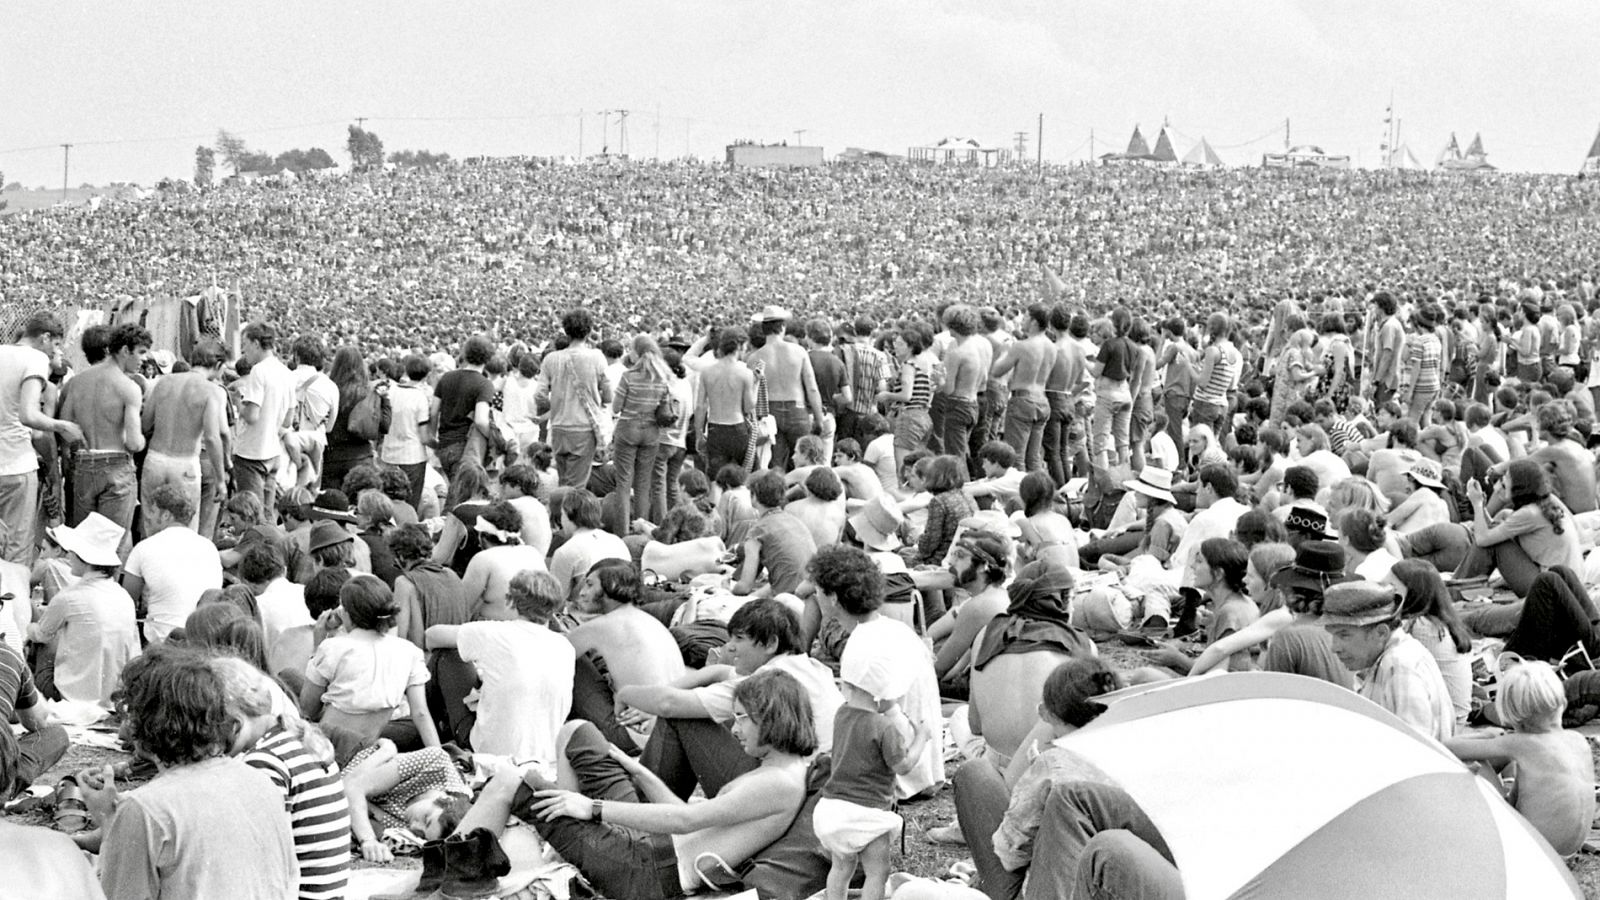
{"x": 1306, "y": 156}
{"x": 1202, "y": 155}
{"x": 1138, "y": 150}
{"x": 1475, "y": 160}
{"x": 1163, "y": 152}
{"x": 1591, "y": 163}
{"x": 1291, "y": 787}
{"x": 1401, "y": 157}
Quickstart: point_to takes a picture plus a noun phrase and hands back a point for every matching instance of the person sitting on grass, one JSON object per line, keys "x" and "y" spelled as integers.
{"x": 631, "y": 836}
{"x": 854, "y": 819}
{"x": 44, "y": 864}
{"x": 1553, "y": 768}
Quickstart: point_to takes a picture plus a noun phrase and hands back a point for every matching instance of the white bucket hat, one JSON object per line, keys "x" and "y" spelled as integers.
{"x": 94, "y": 540}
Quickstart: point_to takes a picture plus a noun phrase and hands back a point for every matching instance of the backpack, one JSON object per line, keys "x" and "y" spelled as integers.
{"x": 366, "y": 417}
{"x": 669, "y": 411}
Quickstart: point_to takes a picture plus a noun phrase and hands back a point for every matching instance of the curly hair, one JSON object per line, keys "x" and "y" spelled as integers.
{"x": 174, "y": 706}
{"x": 681, "y": 523}
{"x": 850, "y": 576}
{"x": 1070, "y": 689}
{"x": 410, "y": 543}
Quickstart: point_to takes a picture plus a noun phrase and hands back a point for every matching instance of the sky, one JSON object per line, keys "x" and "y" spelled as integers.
{"x": 136, "y": 87}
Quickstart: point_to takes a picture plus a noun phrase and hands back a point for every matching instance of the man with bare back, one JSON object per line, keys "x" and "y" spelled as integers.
{"x": 1028, "y": 362}
{"x": 637, "y": 649}
{"x": 727, "y": 399}
{"x": 966, "y": 370}
{"x": 185, "y": 414}
{"x": 791, "y": 386}
{"x": 105, "y": 402}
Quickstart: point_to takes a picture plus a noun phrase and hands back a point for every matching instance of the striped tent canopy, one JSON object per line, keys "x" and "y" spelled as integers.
{"x": 1267, "y": 785}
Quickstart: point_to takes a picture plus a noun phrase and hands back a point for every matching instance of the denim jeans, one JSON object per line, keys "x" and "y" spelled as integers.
{"x": 107, "y": 484}
{"x": 1176, "y": 405}
{"x": 634, "y": 455}
{"x": 960, "y": 423}
{"x": 259, "y": 477}
{"x": 39, "y": 751}
{"x": 725, "y": 445}
{"x": 1139, "y": 419}
{"x": 689, "y": 752}
{"x": 574, "y": 452}
{"x": 1026, "y": 416}
{"x": 1556, "y": 616}
{"x": 19, "y": 517}
{"x": 794, "y": 423}
{"x": 1109, "y": 426}
{"x": 618, "y": 861}
{"x": 669, "y": 463}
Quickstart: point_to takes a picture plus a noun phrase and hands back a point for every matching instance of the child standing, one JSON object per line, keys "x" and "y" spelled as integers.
{"x": 1554, "y": 770}
{"x": 854, "y": 817}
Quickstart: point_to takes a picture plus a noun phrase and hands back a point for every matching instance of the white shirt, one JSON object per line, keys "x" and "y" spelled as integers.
{"x": 1218, "y": 520}
{"x": 410, "y": 408}
{"x": 286, "y": 623}
{"x": 18, "y": 364}
{"x": 1163, "y": 451}
{"x": 880, "y": 456}
{"x": 365, "y": 671}
{"x": 890, "y": 639}
{"x": 271, "y": 387}
{"x": 815, "y": 677}
{"x": 585, "y": 548}
{"x": 527, "y": 687}
{"x": 316, "y": 399}
{"x": 177, "y": 566}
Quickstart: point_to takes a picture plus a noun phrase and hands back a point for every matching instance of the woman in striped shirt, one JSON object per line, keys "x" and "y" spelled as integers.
{"x": 913, "y": 392}
{"x": 640, "y": 391}
{"x": 1220, "y": 368}
{"x": 299, "y": 760}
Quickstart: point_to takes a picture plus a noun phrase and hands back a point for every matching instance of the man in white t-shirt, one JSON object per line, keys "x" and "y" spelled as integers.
{"x": 316, "y": 398}
{"x": 266, "y": 411}
{"x": 168, "y": 571}
{"x": 285, "y": 619}
{"x": 586, "y": 544}
{"x": 526, "y": 672}
{"x": 24, "y": 371}
{"x": 690, "y": 743}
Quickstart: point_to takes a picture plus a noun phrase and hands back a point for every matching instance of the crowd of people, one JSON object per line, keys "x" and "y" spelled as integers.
{"x": 555, "y": 495}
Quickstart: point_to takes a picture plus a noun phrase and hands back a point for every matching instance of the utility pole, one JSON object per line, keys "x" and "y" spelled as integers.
{"x": 361, "y": 122}
{"x": 1038, "y": 147}
{"x": 622, "y": 132}
{"x": 66, "y": 156}
{"x": 580, "y": 135}
{"x": 798, "y": 134}
{"x": 1091, "y": 146}
{"x": 1286, "y": 135}
{"x": 658, "y": 132}
{"x": 1019, "y": 140}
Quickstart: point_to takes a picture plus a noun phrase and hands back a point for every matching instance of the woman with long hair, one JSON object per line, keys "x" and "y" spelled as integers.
{"x": 346, "y": 449}
{"x": 1337, "y": 362}
{"x": 1427, "y": 614}
{"x": 1294, "y": 372}
{"x": 674, "y": 445}
{"x": 913, "y": 390}
{"x": 1539, "y": 534}
{"x": 640, "y": 392}
{"x": 469, "y": 495}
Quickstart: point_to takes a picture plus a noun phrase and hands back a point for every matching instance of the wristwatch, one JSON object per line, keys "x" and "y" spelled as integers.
{"x": 596, "y": 811}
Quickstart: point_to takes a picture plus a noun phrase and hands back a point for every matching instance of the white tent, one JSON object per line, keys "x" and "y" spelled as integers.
{"x": 1202, "y": 155}
{"x": 1401, "y": 157}
{"x": 1267, "y": 786}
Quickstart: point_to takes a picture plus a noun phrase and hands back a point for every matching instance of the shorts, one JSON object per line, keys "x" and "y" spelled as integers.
{"x": 912, "y": 426}
{"x": 845, "y": 828}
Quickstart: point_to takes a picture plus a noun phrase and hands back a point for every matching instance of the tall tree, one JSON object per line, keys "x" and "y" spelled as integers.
{"x": 205, "y": 164}
{"x": 365, "y": 149}
{"x": 233, "y": 149}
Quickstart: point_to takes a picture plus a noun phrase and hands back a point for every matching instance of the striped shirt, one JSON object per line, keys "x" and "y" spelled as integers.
{"x": 921, "y": 388}
{"x": 1424, "y": 355}
{"x": 638, "y": 395}
{"x": 1342, "y": 434}
{"x": 1224, "y": 376}
{"x": 319, "y": 816}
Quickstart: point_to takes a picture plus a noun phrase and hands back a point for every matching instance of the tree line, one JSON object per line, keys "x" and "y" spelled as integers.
{"x": 364, "y": 147}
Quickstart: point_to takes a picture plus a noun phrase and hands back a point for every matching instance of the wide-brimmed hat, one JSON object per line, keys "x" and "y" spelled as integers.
{"x": 327, "y": 534}
{"x": 94, "y": 540}
{"x": 1307, "y": 520}
{"x": 877, "y": 524}
{"x": 772, "y": 313}
{"x": 1426, "y": 472}
{"x": 1317, "y": 564}
{"x": 678, "y": 342}
{"x": 1359, "y": 603}
{"x": 332, "y": 505}
{"x": 1153, "y": 481}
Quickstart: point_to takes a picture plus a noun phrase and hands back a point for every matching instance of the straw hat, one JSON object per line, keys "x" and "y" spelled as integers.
{"x": 1153, "y": 481}
{"x": 94, "y": 540}
{"x": 1426, "y": 473}
{"x": 877, "y": 524}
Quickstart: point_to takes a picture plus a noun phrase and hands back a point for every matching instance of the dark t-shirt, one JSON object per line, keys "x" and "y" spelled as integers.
{"x": 829, "y": 370}
{"x": 1116, "y": 359}
{"x": 786, "y": 549}
{"x": 1305, "y": 649}
{"x": 459, "y": 392}
{"x": 866, "y": 748}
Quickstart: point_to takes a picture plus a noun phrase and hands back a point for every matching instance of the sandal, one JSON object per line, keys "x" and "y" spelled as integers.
{"x": 71, "y": 813}
{"x": 716, "y": 873}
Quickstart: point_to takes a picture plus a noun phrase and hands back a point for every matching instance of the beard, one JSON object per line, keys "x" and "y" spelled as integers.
{"x": 963, "y": 577}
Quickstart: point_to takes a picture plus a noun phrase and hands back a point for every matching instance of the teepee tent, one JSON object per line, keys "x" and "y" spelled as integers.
{"x": 1137, "y": 148}
{"x": 1164, "y": 152}
{"x": 1451, "y": 151}
{"x": 1202, "y": 155}
{"x": 1591, "y": 163}
{"x": 1476, "y": 147}
{"x": 1291, "y": 787}
{"x": 1401, "y": 157}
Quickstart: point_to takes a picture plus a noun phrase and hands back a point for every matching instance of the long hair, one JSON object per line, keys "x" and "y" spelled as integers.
{"x": 471, "y": 482}
{"x": 1427, "y": 597}
{"x": 781, "y": 709}
{"x": 229, "y": 628}
{"x": 174, "y": 706}
{"x": 349, "y": 373}
{"x": 251, "y": 693}
{"x": 647, "y": 359}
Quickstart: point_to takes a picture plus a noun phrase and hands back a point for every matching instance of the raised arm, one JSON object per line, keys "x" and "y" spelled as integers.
{"x": 1257, "y": 632}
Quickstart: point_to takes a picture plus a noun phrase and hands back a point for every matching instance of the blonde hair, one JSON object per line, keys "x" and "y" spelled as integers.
{"x": 1355, "y": 492}
{"x": 1531, "y": 698}
{"x": 251, "y": 693}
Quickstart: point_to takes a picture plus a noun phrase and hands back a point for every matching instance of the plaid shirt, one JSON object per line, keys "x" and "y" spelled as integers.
{"x": 867, "y": 370}
{"x": 1406, "y": 681}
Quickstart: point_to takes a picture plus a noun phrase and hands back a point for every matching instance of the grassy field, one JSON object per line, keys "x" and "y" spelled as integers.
{"x": 18, "y": 201}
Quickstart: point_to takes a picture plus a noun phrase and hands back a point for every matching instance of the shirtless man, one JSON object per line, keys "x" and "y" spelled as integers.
{"x": 727, "y": 400}
{"x": 184, "y": 415}
{"x": 105, "y": 402}
{"x": 997, "y": 389}
{"x": 791, "y": 386}
{"x": 636, "y": 647}
{"x": 1029, "y": 363}
{"x": 487, "y": 581}
{"x": 966, "y": 370}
